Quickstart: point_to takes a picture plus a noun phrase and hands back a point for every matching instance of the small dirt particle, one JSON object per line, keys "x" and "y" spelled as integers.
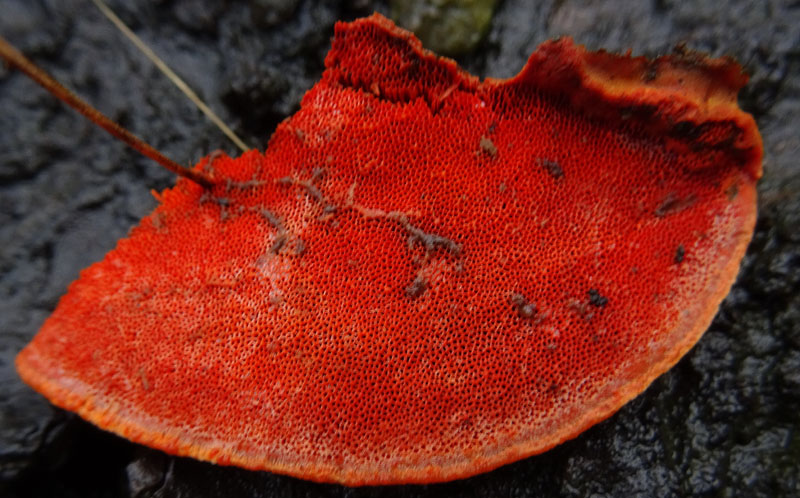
{"x": 417, "y": 287}
{"x": 299, "y": 247}
{"x": 596, "y": 299}
{"x": 673, "y": 204}
{"x": 680, "y": 252}
{"x": 732, "y": 191}
{"x": 552, "y": 167}
{"x": 487, "y": 146}
{"x": 524, "y": 308}
{"x": 280, "y": 241}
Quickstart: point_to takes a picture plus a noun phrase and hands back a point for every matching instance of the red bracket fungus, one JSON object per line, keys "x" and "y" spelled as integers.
{"x": 424, "y": 276}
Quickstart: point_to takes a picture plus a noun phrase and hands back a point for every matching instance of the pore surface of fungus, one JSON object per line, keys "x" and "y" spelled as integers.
{"x": 425, "y": 276}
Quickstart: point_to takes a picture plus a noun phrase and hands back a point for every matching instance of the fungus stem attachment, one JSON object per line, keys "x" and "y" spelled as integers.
{"x": 15, "y": 59}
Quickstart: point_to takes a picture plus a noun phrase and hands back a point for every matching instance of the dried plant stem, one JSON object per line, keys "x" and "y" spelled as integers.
{"x": 19, "y": 61}
{"x": 169, "y": 73}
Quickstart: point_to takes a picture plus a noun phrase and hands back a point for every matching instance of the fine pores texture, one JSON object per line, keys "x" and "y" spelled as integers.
{"x": 423, "y": 277}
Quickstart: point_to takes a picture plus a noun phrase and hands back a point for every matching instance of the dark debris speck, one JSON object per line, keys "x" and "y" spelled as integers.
{"x": 680, "y": 253}
{"x": 596, "y": 299}
{"x": 552, "y": 167}
{"x": 417, "y": 287}
{"x": 524, "y": 308}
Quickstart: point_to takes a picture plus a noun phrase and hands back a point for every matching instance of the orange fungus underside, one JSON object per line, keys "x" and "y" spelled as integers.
{"x": 424, "y": 276}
